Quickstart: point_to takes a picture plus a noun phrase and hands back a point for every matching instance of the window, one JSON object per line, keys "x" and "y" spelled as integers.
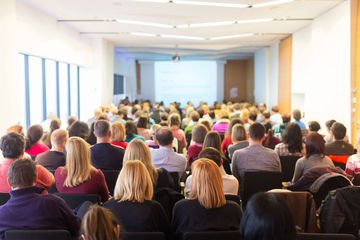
{"x": 50, "y": 87}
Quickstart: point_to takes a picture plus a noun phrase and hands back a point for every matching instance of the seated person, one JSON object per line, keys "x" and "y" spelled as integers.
{"x": 33, "y": 137}
{"x": 297, "y": 119}
{"x": 267, "y": 217}
{"x": 12, "y": 146}
{"x": 54, "y": 158}
{"x": 238, "y": 138}
{"x": 230, "y": 183}
{"x": 78, "y": 175}
{"x": 292, "y": 144}
{"x": 27, "y": 208}
{"x": 131, "y": 132}
{"x": 132, "y": 203}
{"x": 206, "y": 209}
{"x": 353, "y": 163}
{"x": 104, "y": 155}
{"x": 222, "y": 124}
{"x": 338, "y": 146}
{"x": 314, "y": 127}
{"x": 315, "y": 147}
{"x": 197, "y": 140}
{"x": 99, "y": 224}
{"x": 118, "y": 135}
{"x": 270, "y": 141}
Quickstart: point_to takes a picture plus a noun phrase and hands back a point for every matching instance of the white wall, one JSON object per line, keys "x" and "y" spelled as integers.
{"x": 321, "y": 67}
{"x": 126, "y": 66}
{"x": 147, "y": 80}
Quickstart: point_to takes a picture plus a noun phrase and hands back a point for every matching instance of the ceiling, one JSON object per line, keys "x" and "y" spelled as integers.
{"x": 98, "y": 18}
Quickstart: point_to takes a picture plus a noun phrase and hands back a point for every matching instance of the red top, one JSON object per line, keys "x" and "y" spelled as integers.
{"x": 37, "y": 148}
{"x": 120, "y": 144}
{"x": 193, "y": 152}
{"x": 225, "y": 143}
{"x": 96, "y": 184}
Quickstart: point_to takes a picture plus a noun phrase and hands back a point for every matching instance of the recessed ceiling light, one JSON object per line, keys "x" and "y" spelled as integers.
{"x": 181, "y": 37}
{"x": 232, "y": 36}
{"x": 271, "y": 3}
{"x": 144, "y": 23}
{"x": 212, "y": 4}
{"x": 211, "y": 24}
{"x": 260, "y": 20}
{"x": 143, "y": 34}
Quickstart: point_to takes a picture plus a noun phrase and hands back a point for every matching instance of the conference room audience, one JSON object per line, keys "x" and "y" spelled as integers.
{"x": 152, "y": 142}
{"x": 314, "y": 126}
{"x": 142, "y": 127}
{"x": 70, "y": 121}
{"x": 292, "y": 144}
{"x": 164, "y": 156}
{"x": 28, "y": 208}
{"x": 133, "y": 205}
{"x": 79, "y": 129}
{"x": 280, "y": 129}
{"x": 54, "y": 124}
{"x": 197, "y": 141}
{"x": 206, "y": 208}
{"x": 255, "y": 157}
{"x": 238, "y": 139}
{"x": 104, "y": 155}
{"x": 12, "y": 146}
{"x": 118, "y": 135}
{"x": 296, "y": 114}
{"x": 138, "y": 150}
{"x": 267, "y": 123}
{"x": 329, "y": 138}
{"x": 54, "y": 158}
{"x": 275, "y": 118}
{"x": 338, "y": 146}
{"x": 353, "y": 163}
{"x": 222, "y": 124}
{"x": 33, "y": 138}
{"x": 131, "y": 132}
{"x": 267, "y": 217}
{"x": 270, "y": 141}
{"x": 314, "y": 158}
{"x": 174, "y": 124}
{"x": 98, "y": 224}
{"x": 230, "y": 183}
{"x": 227, "y": 137}
{"x": 195, "y": 117}
{"x": 78, "y": 175}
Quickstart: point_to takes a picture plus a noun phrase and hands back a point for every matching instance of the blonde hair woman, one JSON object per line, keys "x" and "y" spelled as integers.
{"x": 78, "y": 175}
{"x": 98, "y": 224}
{"x": 206, "y": 203}
{"x": 138, "y": 150}
{"x": 132, "y": 203}
{"x": 118, "y": 134}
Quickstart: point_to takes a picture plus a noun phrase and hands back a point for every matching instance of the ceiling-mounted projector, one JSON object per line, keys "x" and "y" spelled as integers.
{"x": 175, "y": 58}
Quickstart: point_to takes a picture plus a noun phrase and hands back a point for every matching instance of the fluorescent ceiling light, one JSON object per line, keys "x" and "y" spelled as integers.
{"x": 145, "y": 23}
{"x": 211, "y": 24}
{"x": 232, "y": 36}
{"x": 181, "y": 37}
{"x": 260, "y": 20}
{"x": 152, "y": 1}
{"x": 212, "y": 4}
{"x": 271, "y": 3}
{"x": 143, "y": 34}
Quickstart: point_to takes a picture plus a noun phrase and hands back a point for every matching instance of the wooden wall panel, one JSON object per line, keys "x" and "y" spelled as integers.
{"x": 138, "y": 78}
{"x": 285, "y": 60}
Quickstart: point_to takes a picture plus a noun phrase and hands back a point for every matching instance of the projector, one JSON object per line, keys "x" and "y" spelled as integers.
{"x": 175, "y": 58}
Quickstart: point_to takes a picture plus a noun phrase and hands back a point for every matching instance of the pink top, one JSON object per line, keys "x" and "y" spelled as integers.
{"x": 180, "y": 136}
{"x": 220, "y": 127}
{"x": 37, "y": 148}
{"x": 96, "y": 184}
{"x": 120, "y": 144}
{"x": 44, "y": 178}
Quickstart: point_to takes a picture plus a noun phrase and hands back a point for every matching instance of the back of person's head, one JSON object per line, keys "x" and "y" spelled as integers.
{"x": 213, "y": 139}
{"x": 22, "y": 173}
{"x": 71, "y": 120}
{"x": 286, "y": 117}
{"x": 142, "y": 122}
{"x": 275, "y": 109}
{"x": 79, "y": 129}
{"x": 314, "y": 126}
{"x": 212, "y": 154}
{"x": 244, "y": 114}
{"x": 55, "y": 124}
{"x": 130, "y": 128}
{"x": 198, "y": 133}
{"x": 238, "y": 133}
{"x": 34, "y": 134}
{"x": 164, "y": 136}
{"x": 253, "y": 115}
{"x": 293, "y": 138}
{"x": 78, "y": 163}
{"x": 257, "y": 131}
{"x": 237, "y": 106}
{"x": 59, "y": 137}
{"x": 174, "y": 120}
{"x": 315, "y": 144}
{"x": 223, "y": 114}
{"x": 16, "y": 129}
{"x": 133, "y": 183}
{"x": 232, "y": 123}
{"x": 99, "y": 223}
{"x": 267, "y": 218}
{"x": 12, "y": 145}
{"x": 118, "y": 133}
{"x": 296, "y": 114}
{"x": 102, "y": 128}
{"x": 338, "y": 130}
{"x": 194, "y": 116}
{"x": 266, "y": 114}
{"x": 329, "y": 123}
{"x": 206, "y": 184}
{"x": 206, "y": 123}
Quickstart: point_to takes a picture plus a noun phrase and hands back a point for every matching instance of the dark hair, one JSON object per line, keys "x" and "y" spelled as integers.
{"x": 212, "y": 114}
{"x": 198, "y": 133}
{"x": 253, "y": 115}
{"x": 293, "y": 138}
{"x": 79, "y": 129}
{"x": 174, "y": 120}
{"x": 22, "y": 173}
{"x": 142, "y": 122}
{"x": 12, "y": 145}
{"x": 71, "y": 120}
{"x": 315, "y": 144}
{"x": 212, "y": 139}
{"x": 201, "y": 112}
{"x": 257, "y": 131}
{"x": 296, "y": 114}
{"x": 314, "y": 126}
{"x": 286, "y": 117}
{"x": 266, "y": 114}
{"x": 164, "y": 136}
{"x": 212, "y": 154}
{"x": 338, "y": 130}
{"x": 231, "y": 124}
{"x": 267, "y": 217}
{"x": 55, "y": 124}
{"x": 34, "y": 134}
{"x": 130, "y": 128}
{"x": 267, "y": 141}
{"x": 101, "y": 128}
{"x": 329, "y": 123}
{"x": 164, "y": 116}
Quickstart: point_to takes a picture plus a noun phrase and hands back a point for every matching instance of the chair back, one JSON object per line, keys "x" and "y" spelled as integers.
{"x": 176, "y": 178}
{"x": 259, "y": 181}
{"x": 167, "y": 197}
{"x": 37, "y": 235}
{"x": 212, "y": 235}
{"x": 324, "y": 236}
{"x": 234, "y": 198}
{"x": 4, "y": 197}
{"x": 339, "y": 160}
{"x": 76, "y": 200}
{"x": 288, "y": 167}
{"x": 111, "y": 177}
{"x": 142, "y": 236}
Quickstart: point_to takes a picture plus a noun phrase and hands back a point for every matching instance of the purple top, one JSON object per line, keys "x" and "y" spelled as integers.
{"x": 220, "y": 127}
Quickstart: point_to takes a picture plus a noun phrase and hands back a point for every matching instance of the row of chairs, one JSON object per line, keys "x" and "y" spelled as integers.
{"x": 213, "y": 235}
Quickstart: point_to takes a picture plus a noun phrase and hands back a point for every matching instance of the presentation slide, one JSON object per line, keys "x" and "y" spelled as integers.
{"x": 193, "y": 81}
